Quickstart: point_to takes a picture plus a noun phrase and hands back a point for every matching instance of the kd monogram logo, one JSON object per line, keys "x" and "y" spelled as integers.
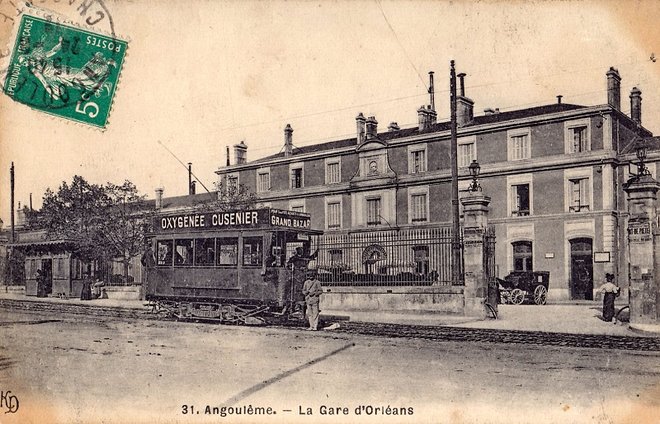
{"x": 8, "y": 402}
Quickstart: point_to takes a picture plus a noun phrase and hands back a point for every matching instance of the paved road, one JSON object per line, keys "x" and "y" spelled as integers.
{"x": 392, "y": 330}
{"x": 80, "y": 368}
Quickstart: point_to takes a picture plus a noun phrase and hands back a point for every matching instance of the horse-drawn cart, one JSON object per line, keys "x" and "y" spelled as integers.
{"x": 521, "y": 286}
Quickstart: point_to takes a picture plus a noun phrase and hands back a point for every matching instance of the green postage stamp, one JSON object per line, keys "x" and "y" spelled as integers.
{"x": 64, "y": 70}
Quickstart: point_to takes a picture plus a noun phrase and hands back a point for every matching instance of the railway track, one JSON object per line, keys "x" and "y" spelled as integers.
{"x": 449, "y": 334}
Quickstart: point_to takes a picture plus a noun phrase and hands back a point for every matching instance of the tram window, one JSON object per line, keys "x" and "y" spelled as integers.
{"x": 204, "y": 252}
{"x": 164, "y": 249}
{"x": 227, "y": 251}
{"x": 183, "y": 253}
{"x": 252, "y": 251}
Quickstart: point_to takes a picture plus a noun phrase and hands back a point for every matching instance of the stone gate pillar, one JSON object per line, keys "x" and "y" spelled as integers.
{"x": 643, "y": 238}
{"x": 475, "y": 212}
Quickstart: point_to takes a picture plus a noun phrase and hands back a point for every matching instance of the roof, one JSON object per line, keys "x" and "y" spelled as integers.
{"x": 440, "y": 126}
{"x": 187, "y": 200}
{"x": 651, "y": 143}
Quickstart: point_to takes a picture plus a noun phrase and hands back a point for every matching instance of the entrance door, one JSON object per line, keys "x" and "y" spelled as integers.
{"x": 582, "y": 281}
{"x": 47, "y": 269}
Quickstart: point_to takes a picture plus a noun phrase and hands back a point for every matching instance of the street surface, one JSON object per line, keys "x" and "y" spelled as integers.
{"x": 75, "y": 368}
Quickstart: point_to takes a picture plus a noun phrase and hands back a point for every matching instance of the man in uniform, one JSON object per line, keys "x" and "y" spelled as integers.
{"x": 312, "y": 291}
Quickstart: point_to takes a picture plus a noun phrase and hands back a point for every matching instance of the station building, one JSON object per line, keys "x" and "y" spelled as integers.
{"x": 555, "y": 174}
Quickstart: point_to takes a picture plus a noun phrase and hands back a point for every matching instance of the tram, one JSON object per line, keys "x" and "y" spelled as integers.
{"x": 228, "y": 266}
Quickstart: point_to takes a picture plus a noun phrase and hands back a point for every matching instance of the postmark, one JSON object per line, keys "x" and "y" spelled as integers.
{"x": 64, "y": 70}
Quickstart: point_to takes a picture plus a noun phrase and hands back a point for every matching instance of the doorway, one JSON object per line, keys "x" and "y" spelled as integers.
{"x": 45, "y": 287}
{"x": 582, "y": 281}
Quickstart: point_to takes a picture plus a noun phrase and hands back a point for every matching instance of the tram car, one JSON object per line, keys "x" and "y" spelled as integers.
{"x": 229, "y": 266}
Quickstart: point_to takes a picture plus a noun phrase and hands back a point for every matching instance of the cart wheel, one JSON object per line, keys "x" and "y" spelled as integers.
{"x": 517, "y": 296}
{"x": 540, "y": 294}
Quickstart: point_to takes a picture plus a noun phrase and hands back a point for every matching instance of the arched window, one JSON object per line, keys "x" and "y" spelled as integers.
{"x": 522, "y": 256}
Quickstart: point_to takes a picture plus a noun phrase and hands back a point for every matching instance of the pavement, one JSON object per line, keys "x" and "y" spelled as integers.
{"x": 572, "y": 317}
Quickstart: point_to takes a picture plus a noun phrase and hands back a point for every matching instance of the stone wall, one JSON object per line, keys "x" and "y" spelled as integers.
{"x": 446, "y": 299}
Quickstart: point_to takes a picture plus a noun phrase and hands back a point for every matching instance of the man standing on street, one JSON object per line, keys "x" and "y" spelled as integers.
{"x": 312, "y": 291}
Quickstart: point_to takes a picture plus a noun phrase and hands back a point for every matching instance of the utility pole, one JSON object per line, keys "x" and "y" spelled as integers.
{"x": 190, "y": 189}
{"x": 11, "y": 190}
{"x": 456, "y": 269}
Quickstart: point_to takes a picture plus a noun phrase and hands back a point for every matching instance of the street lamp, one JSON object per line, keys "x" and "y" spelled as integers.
{"x": 641, "y": 151}
{"x": 474, "y": 169}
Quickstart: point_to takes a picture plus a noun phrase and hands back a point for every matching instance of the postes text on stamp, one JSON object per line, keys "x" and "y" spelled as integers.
{"x": 64, "y": 70}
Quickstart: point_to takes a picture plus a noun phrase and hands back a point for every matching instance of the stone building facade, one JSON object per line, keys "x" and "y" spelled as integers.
{"x": 555, "y": 175}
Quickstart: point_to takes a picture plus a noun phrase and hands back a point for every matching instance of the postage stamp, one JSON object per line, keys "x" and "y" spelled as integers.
{"x": 64, "y": 70}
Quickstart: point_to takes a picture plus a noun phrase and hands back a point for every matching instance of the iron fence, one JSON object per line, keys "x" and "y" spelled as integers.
{"x": 408, "y": 257}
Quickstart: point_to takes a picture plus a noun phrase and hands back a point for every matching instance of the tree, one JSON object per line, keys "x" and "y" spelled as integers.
{"x": 125, "y": 223}
{"x": 73, "y": 213}
{"x": 103, "y": 221}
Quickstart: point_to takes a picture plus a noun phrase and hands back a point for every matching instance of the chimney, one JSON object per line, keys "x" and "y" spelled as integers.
{"x": 422, "y": 118}
{"x": 240, "y": 153}
{"x": 614, "y": 88}
{"x": 489, "y": 111}
{"x": 432, "y": 115}
{"x": 159, "y": 197}
{"x": 559, "y": 99}
{"x": 372, "y": 128}
{"x": 431, "y": 91}
{"x": 361, "y": 128}
{"x": 393, "y": 127}
{"x": 636, "y": 105}
{"x": 228, "y": 162}
{"x": 192, "y": 187}
{"x": 464, "y": 105}
{"x": 288, "y": 141}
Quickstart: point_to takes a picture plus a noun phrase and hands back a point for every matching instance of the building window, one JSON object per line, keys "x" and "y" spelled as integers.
{"x": 418, "y": 207}
{"x": 519, "y": 146}
{"x": 579, "y": 139}
{"x": 297, "y": 177}
{"x": 263, "y": 180}
{"x": 333, "y": 214}
{"x": 417, "y": 161}
{"x": 522, "y": 256}
{"x": 520, "y": 200}
{"x": 373, "y": 211}
{"x": 579, "y": 194}
{"x": 297, "y": 205}
{"x": 332, "y": 172}
{"x": 421, "y": 258}
{"x": 577, "y": 136}
{"x": 466, "y": 152}
{"x": 232, "y": 183}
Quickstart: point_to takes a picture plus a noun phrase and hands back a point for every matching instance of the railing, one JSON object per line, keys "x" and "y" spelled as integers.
{"x": 410, "y": 257}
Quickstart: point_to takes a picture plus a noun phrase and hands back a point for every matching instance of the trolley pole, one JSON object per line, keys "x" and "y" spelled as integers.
{"x": 456, "y": 229}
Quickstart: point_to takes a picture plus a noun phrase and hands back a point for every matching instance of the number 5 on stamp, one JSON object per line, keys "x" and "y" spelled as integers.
{"x": 64, "y": 71}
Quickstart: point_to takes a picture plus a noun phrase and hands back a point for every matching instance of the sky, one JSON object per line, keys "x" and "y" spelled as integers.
{"x": 203, "y": 75}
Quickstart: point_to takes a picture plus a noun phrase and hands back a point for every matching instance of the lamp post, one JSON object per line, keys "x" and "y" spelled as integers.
{"x": 474, "y": 169}
{"x": 641, "y": 152}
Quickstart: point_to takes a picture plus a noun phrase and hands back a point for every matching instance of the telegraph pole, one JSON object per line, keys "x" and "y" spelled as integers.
{"x": 11, "y": 190}
{"x": 456, "y": 229}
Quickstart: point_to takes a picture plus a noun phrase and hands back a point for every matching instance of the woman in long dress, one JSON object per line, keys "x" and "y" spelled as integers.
{"x": 611, "y": 291}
